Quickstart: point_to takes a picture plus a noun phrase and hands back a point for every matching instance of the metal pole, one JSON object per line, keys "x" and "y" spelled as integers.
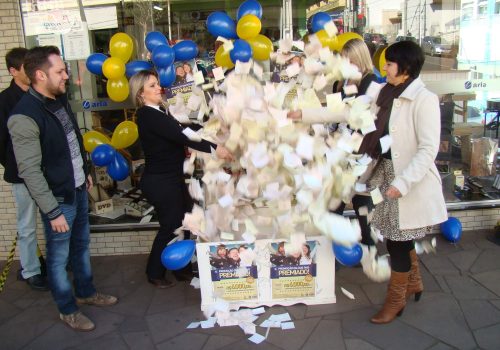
{"x": 425, "y": 19}
{"x": 169, "y": 21}
{"x": 405, "y": 18}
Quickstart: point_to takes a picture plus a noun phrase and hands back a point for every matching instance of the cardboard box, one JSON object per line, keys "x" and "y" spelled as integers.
{"x": 99, "y": 200}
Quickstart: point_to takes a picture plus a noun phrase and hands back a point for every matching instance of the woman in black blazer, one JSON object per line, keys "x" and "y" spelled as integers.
{"x": 162, "y": 183}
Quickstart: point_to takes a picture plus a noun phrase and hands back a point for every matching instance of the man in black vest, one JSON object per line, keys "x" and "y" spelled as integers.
{"x": 26, "y": 206}
{"x": 50, "y": 158}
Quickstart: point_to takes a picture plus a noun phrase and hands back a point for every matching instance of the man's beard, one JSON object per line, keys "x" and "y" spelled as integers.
{"x": 57, "y": 90}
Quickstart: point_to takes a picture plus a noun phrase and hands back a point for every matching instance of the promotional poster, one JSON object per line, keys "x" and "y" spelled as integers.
{"x": 267, "y": 272}
{"x": 293, "y": 274}
{"x": 233, "y": 271}
{"x": 184, "y": 80}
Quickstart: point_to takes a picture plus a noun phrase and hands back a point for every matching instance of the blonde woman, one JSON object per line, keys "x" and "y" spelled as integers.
{"x": 162, "y": 183}
{"x": 358, "y": 54}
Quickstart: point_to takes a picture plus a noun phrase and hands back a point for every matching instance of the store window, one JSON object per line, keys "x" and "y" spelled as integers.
{"x": 459, "y": 40}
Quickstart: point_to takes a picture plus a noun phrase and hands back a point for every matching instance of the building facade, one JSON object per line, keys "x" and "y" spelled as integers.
{"x": 91, "y": 23}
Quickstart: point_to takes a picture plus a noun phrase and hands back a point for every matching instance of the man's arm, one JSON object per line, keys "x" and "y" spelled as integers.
{"x": 25, "y": 137}
{"x": 4, "y": 132}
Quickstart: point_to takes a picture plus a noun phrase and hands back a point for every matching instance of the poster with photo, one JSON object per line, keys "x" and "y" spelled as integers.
{"x": 279, "y": 74}
{"x": 184, "y": 80}
{"x": 293, "y": 274}
{"x": 278, "y": 71}
{"x": 233, "y": 271}
{"x": 268, "y": 275}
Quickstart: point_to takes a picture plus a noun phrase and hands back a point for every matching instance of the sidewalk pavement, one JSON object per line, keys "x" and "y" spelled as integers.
{"x": 460, "y": 308}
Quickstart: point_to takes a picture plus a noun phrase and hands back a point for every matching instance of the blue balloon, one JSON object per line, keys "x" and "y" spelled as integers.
{"x": 452, "y": 229}
{"x": 154, "y": 39}
{"x": 166, "y": 76}
{"x": 348, "y": 256}
{"x": 134, "y": 67}
{"x": 249, "y": 7}
{"x": 242, "y": 51}
{"x": 163, "y": 56}
{"x": 220, "y": 24}
{"x": 319, "y": 20}
{"x": 94, "y": 63}
{"x": 103, "y": 155}
{"x": 178, "y": 255}
{"x": 380, "y": 78}
{"x": 185, "y": 50}
{"x": 118, "y": 169}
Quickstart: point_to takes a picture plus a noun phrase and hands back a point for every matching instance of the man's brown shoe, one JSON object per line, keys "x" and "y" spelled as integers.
{"x": 78, "y": 321}
{"x": 98, "y": 299}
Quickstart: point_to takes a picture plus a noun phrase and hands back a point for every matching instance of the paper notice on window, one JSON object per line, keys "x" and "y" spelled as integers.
{"x": 76, "y": 44}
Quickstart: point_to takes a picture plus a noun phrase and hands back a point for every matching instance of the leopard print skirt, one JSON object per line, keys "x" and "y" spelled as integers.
{"x": 386, "y": 214}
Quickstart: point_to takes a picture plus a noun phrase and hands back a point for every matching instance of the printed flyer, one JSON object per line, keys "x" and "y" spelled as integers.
{"x": 279, "y": 74}
{"x": 266, "y": 272}
{"x": 184, "y": 80}
{"x": 233, "y": 271}
{"x": 293, "y": 274}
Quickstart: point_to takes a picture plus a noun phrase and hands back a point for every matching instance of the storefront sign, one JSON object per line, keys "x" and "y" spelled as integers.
{"x": 264, "y": 273}
{"x": 457, "y": 86}
{"x": 51, "y": 22}
{"x": 104, "y": 104}
{"x": 64, "y": 21}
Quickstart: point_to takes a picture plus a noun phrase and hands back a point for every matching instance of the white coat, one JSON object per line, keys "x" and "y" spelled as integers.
{"x": 415, "y": 127}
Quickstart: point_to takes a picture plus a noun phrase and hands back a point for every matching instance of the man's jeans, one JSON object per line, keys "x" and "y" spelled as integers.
{"x": 72, "y": 247}
{"x": 26, "y": 229}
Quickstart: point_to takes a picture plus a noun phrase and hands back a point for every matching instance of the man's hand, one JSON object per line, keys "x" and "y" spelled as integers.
{"x": 295, "y": 115}
{"x": 90, "y": 183}
{"x": 59, "y": 224}
{"x": 223, "y": 153}
{"x": 393, "y": 193}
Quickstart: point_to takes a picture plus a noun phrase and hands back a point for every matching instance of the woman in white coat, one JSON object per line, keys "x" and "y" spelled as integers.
{"x": 406, "y": 174}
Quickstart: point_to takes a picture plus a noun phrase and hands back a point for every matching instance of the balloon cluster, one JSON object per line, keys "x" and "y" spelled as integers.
{"x": 248, "y": 42}
{"x": 334, "y": 42}
{"x": 164, "y": 56}
{"x": 104, "y": 152}
{"x": 113, "y": 68}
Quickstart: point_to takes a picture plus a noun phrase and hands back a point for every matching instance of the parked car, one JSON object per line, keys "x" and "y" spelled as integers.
{"x": 434, "y": 45}
{"x": 406, "y": 38}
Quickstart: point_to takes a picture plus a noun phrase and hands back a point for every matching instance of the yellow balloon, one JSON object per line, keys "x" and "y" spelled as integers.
{"x": 262, "y": 47}
{"x": 117, "y": 89}
{"x": 382, "y": 62}
{"x": 345, "y": 37}
{"x": 113, "y": 68}
{"x": 222, "y": 58}
{"x": 121, "y": 46}
{"x": 92, "y": 139}
{"x": 326, "y": 40}
{"x": 125, "y": 135}
{"x": 248, "y": 26}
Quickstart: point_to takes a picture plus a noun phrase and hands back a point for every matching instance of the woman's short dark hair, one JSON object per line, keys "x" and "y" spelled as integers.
{"x": 37, "y": 58}
{"x": 409, "y": 57}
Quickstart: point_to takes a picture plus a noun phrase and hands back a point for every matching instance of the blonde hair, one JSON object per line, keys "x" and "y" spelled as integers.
{"x": 358, "y": 54}
{"x": 136, "y": 84}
